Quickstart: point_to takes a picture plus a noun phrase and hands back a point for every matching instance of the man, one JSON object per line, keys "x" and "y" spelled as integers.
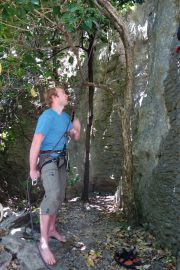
{"x": 49, "y": 145}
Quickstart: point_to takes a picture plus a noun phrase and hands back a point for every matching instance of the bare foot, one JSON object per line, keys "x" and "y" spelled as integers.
{"x": 46, "y": 254}
{"x": 58, "y": 236}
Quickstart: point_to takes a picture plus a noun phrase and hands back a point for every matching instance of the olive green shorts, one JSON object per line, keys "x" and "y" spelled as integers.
{"x": 53, "y": 178}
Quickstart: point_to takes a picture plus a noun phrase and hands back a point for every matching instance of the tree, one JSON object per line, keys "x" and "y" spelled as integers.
{"x": 124, "y": 111}
{"x": 90, "y": 119}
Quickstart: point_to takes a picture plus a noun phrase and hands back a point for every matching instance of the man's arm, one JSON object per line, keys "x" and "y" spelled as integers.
{"x": 74, "y": 133}
{"x": 33, "y": 156}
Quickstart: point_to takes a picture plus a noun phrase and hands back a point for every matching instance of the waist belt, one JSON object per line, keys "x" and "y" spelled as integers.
{"x": 59, "y": 152}
{"x": 55, "y": 160}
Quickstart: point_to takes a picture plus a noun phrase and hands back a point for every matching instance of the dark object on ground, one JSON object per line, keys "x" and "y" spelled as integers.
{"x": 178, "y": 49}
{"x": 127, "y": 259}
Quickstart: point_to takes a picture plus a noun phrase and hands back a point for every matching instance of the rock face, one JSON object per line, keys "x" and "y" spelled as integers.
{"x": 156, "y": 118}
{"x": 106, "y": 148}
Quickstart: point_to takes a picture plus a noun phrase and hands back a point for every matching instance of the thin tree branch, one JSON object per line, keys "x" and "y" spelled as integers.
{"x": 106, "y": 87}
{"x": 42, "y": 15}
{"x": 18, "y": 28}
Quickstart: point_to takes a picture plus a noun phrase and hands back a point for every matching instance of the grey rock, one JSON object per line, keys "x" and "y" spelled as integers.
{"x": 107, "y": 256}
{"x": 13, "y": 244}
{"x": 156, "y": 122}
{"x": 156, "y": 266}
{"x": 178, "y": 261}
{"x": 29, "y": 256}
{"x": 14, "y": 220}
{"x": 5, "y": 259}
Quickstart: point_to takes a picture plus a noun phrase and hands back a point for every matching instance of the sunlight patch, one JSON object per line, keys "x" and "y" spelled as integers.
{"x": 75, "y": 199}
{"x": 13, "y": 231}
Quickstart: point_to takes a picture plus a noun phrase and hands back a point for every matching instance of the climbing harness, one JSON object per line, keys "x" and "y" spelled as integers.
{"x": 61, "y": 153}
{"x": 1, "y": 212}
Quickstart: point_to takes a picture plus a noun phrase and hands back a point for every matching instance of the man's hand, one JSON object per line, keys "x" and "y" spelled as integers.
{"x": 33, "y": 156}
{"x": 74, "y": 133}
{"x": 34, "y": 174}
{"x": 76, "y": 124}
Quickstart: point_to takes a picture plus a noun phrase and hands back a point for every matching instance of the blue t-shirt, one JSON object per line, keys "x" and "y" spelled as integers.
{"x": 53, "y": 126}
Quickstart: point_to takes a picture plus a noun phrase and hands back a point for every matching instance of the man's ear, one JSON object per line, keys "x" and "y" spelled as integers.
{"x": 52, "y": 98}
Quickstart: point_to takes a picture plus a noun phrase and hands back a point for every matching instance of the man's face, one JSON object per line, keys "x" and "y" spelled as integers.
{"x": 62, "y": 97}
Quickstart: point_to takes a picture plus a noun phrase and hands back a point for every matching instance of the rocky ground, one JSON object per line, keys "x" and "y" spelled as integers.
{"x": 95, "y": 231}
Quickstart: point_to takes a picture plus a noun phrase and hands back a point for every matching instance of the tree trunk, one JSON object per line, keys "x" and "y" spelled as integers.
{"x": 125, "y": 111}
{"x": 55, "y": 71}
{"x": 85, "y": 192}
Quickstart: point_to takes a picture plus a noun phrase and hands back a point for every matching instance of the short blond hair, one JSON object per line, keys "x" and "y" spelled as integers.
{"x": 48, "y": 95}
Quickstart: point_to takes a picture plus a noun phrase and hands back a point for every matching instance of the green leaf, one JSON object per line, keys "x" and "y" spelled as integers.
{"x": 88, "y": 23}
{"x": 35, "y": 69}
{"x": 47, "y": 74}
{"x": 5, "y": 14}
{"x": 71, "y": 60}
{"x": 56, "y": 10}
{"x": 66, "y": 16}
{"x": 73, "y": 8}
{"x": 35, "y": 2}
{"x": 86, "y": 27}
{"x": 69, "y": 29}
{"x": 91, "y": 10}
{"x": 28, "y": 58}
{"x": 20, "y": 12}
{"x": 20, "y": 73}
{"x": 21, "y": 1}
{"x": 10, "y": 11}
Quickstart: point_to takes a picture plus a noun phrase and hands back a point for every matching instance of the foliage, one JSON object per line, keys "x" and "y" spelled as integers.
{"x": 37, "y": 35}
{"x": 31, "y": 55}
{"x": 125, "y": 4}
{"x": 72, "y": 177}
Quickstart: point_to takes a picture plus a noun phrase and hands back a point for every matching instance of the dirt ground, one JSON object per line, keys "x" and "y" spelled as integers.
{"x": 95, "y": 232}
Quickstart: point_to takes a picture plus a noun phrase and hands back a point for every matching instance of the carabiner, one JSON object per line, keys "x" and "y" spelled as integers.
{"x": 34, "y": 182}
